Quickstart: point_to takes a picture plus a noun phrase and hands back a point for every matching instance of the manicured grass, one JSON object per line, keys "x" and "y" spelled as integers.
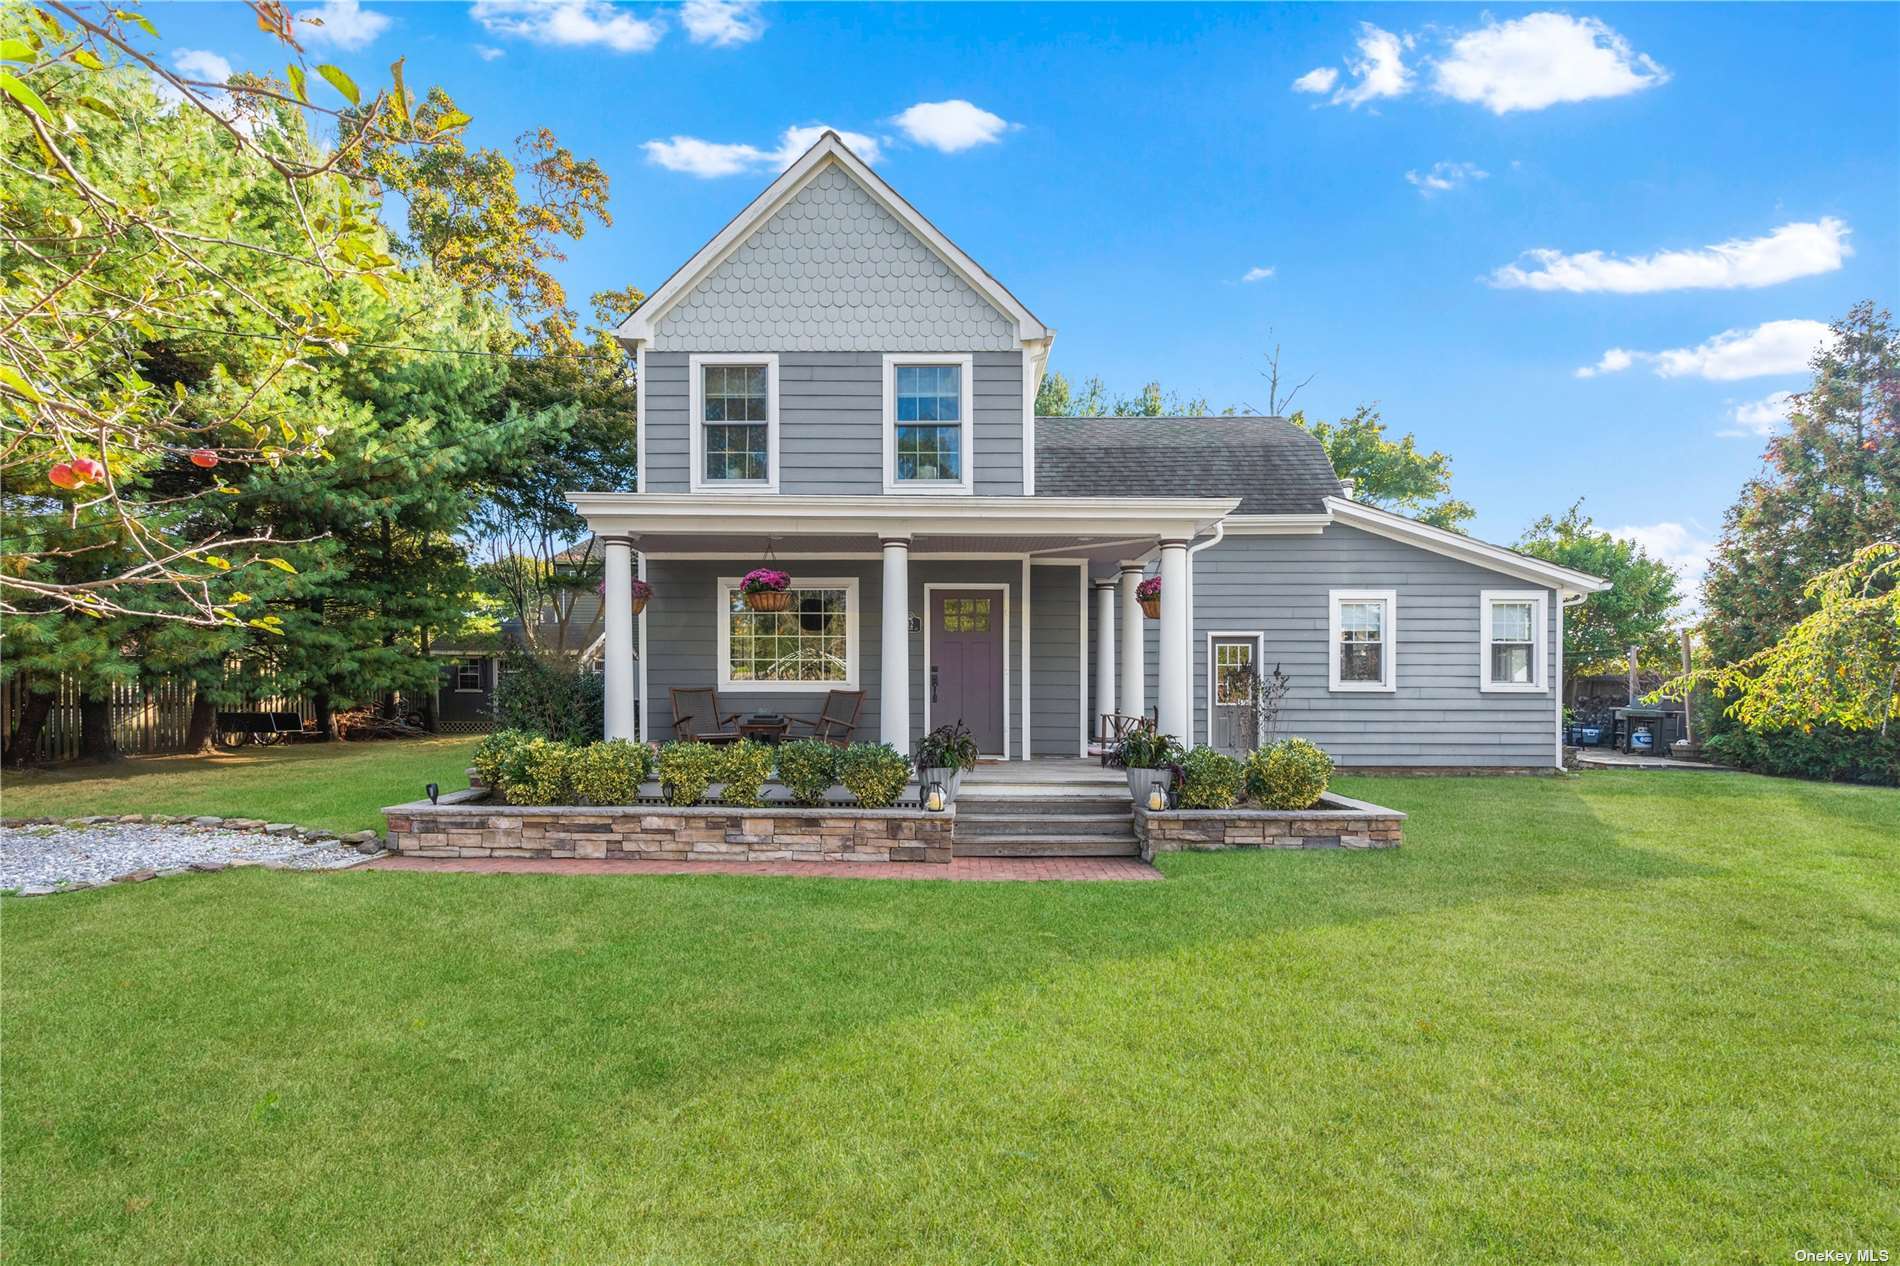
{"x": 1623, "y": 1017}
{"x": 339, "y": 786}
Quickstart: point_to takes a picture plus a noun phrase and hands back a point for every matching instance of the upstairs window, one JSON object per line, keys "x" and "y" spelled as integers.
{"x": 1364, "y": 650}
{"x": 735, "y": 432}
{"x": 927, "y": 423}
{"x": 1511, "y": 640}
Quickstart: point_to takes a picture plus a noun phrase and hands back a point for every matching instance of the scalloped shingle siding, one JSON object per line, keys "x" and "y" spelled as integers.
{"x": 834, "y": 271}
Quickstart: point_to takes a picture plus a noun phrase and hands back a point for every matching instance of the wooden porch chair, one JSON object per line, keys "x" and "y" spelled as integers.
{"x": 837, "y": 720}
{"x": 698, "y": 717}
{"x": 1116, "y": 726}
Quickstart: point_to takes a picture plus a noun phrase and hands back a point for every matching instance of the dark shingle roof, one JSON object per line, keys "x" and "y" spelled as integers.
{"x": 1272, "y": 465}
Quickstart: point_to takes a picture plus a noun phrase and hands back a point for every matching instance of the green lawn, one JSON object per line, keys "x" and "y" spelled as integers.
{"x": 1624, "y": 1017}
{"x": 335, "y": 785}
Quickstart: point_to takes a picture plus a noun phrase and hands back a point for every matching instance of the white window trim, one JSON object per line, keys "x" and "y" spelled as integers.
{"x": 962, "y": 487}
{"x": 722, "y": 594}
{"x": 460, "y": 664}
{"x": 1259, "y": 640}
{"x": 1389, "y": 661}
{"x": 696, "y": 475}
{"x": 1540, "y": 641}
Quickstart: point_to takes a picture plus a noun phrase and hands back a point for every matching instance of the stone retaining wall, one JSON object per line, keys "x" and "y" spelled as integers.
{"x": 1336, "y": 822}
{"x": 464, "y": 824}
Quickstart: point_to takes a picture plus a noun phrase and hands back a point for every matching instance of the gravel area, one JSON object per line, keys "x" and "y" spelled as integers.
{"x": 45, "y": 856}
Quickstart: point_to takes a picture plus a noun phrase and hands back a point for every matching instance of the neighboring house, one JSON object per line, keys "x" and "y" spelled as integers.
{"x": 471, "y": 670}
{"x": 833, "y": 387}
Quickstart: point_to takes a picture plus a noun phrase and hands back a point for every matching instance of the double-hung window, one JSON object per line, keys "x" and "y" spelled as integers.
{"x": 1511, "y": 626}
{"x": 927, "y": 425}
{"x": 468, "y": 675}
{"x": 735, "y": 422}
{"x": 811, "y": 645}
{"x": 1363, "y": 633}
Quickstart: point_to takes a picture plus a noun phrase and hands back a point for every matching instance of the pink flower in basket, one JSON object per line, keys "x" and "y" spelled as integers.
{"x": 1149, "y": 588}
{"x": 641, "y": 589}
{"x": 764, "y": 580}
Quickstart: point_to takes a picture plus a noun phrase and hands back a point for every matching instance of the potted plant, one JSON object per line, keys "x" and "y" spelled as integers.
{"x": 641, "y": 592}
{"x": 1148, "y": 594}
{"x": 1150, "y": 757}
{"x": 766, "y": 590}
{"x": 943, "y": 755}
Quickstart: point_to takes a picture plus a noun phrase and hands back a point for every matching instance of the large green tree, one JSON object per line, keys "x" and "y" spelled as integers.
{"x": 1638, "y": 609}
{"x": 1393, "y": 474}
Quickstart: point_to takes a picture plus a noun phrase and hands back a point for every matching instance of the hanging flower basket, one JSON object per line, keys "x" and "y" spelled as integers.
{"x": 642, "y": 591}
{"x": 766, "y": 590}
{"x": 1148, "y": 594}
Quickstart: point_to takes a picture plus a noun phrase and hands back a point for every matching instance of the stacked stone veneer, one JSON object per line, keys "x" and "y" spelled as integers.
{"x": 463, "y": 825}
{"x": 1336, "y": 822}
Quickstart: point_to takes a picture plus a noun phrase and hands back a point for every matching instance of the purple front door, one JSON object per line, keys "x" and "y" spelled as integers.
{"x": 966, "y": 663}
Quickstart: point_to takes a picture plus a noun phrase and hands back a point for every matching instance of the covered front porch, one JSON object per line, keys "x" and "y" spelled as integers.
{"x": 1016, "y": 616}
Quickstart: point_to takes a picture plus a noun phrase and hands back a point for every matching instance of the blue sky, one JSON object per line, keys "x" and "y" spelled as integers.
{"x": 1460, "y": 208}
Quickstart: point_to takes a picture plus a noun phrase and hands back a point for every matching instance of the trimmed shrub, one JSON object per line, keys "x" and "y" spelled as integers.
{"x": 1825, "y": 752}
{"x": 743, "y": 767}
{"x": 808, "y": 768}
{"x": 493, "y": 753}
{"x": 541, "y": 772}
{"x": 686, "y": 770}
{"x": 876, "y": 773}
{"x": 1291, "y": 774}
{"x": 1210, "y": 779}
{"x": 610, "y": 773}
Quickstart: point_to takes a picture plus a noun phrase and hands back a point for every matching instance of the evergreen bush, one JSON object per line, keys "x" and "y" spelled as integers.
{"x": 808, "y": 768}
{"x": 743, "y": 766}
{"x": 1292, "y": 774}
{"x": 686, "y": 770}
{"x": 876, "y": 773}
{"x": 1210, "y": 779}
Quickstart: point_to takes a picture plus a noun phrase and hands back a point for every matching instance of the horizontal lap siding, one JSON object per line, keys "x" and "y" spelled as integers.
{"x": 1054, "y": 658}
{"x": 831, "y": 418}
{"x": 1278, "y": 585}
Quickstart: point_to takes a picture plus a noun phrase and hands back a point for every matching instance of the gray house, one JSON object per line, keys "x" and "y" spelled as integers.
{"x": 832, "y": 388}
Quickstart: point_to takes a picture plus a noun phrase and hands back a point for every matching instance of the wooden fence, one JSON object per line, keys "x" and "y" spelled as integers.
{"x": 146, "y": 720}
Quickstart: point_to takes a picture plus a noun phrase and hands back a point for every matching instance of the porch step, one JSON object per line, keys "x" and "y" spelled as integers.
{"x": 994, "y": 826}
{"x": 1048, "y": 846}
{"x": 984, "y": 803}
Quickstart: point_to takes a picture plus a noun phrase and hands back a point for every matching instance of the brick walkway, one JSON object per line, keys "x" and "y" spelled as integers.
{"x": 970, "y": 868}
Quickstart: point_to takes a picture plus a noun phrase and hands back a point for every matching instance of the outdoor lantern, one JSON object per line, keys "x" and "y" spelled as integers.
{"x": 1157, "y": 799}
{"x": 933, "y": 798}
{"x": 434, "y": 792}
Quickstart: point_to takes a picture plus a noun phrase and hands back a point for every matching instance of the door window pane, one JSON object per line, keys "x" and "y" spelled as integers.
{"x": 1233, "y": 672}
{"x": 966, "y": 615}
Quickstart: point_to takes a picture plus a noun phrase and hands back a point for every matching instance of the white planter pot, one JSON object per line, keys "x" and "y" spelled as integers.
{"x": 1143, "y": 781}
{"x": 950, "y": 778}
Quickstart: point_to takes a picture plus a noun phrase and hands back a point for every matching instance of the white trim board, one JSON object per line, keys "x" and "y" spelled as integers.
{"x": 965, "y": 483}
{"x": 1540, "y": 640}
{"x": 696, "y": 479}
{"x": 1259, "y": 640}
{"x": 853, "y": 659}
{"x": 930, "y": 620}
{"x": 829, "y": 149}
{"x": 1455, "y": 545}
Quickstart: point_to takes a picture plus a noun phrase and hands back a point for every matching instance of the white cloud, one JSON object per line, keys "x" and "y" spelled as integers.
{"x": 1259, "y": 272}
{"x": 1791, "y": 251}
{"x": 1320, "y": 79}
{"x": 722, "y": 22}
{"x": 1444, "y": 177}
{"x": 1380, "y": 69}
{"x": 711, "y": 159}
{"x": 340, "y": 24}
{"x": 1680, "y": 546}
{"x": 952, "y": 125}
{"x": 488, "y": 52}
{"x": 200, "y": 66}
{"x": 569, "y": 23}
{"x": 1759, "y": 417}
{"x": 1773, "y": 347}
{"x": 1542, "y": 59}
{"x": 1614, "y": 361}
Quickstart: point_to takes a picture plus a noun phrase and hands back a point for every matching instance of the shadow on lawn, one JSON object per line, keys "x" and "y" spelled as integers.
{"x": 508, "y": 1017}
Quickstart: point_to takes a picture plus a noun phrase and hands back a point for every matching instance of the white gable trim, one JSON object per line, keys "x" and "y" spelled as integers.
{"x": 1506, "y": 562}
{"x": 639, "y": 328}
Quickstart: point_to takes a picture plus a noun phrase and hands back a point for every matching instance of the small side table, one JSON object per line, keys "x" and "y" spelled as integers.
{"x": 764, "y": 731}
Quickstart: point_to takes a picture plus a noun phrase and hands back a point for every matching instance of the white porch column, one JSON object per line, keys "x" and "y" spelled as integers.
{"x": 1173, "y": 672}
{"x": 894, "y": 688}
{"x": 1133, "y": 695}
{"x": 1104, "y": 653}
{"x": 617, "y": 665}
